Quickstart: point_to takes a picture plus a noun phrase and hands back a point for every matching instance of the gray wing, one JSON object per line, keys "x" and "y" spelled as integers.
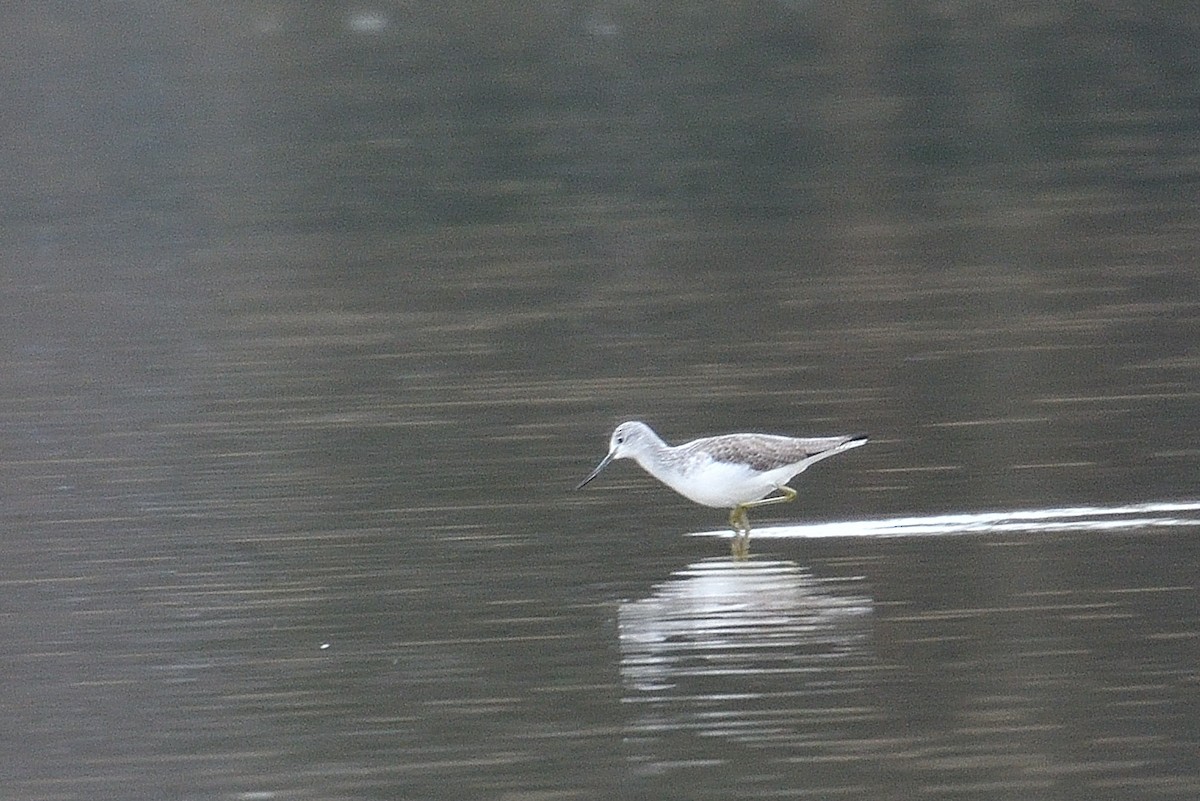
{"x": 766, "y": 452}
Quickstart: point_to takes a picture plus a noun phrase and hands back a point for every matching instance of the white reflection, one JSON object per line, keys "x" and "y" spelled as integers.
{"x": 709, "y": 649}
{"x": 367, "y": 22}
{"x": 1080, "y": 518}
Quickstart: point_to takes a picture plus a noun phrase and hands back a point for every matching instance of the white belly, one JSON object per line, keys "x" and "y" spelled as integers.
{"x": 725, "y": 485}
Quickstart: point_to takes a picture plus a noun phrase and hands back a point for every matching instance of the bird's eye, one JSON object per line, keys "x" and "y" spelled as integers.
{"x": 620, "y": 440}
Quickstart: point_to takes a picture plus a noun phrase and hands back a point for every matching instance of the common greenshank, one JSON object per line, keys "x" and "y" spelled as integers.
{"x": 734, "y": 471}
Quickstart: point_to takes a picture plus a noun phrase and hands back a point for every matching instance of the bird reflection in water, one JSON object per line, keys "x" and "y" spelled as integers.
{"x": 742, "y": 650}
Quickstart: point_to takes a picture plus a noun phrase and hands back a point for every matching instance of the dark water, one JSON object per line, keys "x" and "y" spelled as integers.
{"x": 312, "y": 319}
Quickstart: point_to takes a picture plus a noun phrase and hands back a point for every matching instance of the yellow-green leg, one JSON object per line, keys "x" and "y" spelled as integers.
{"x": 739, "y": 521}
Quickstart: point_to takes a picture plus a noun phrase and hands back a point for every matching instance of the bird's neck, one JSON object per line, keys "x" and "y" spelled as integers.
{"x": 654, "y": 456}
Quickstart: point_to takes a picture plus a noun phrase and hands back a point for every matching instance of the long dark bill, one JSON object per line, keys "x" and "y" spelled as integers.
{"x": 603, "y": 464}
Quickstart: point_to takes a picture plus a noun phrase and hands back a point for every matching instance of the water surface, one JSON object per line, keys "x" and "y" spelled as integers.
{"x": 314, "y": 317}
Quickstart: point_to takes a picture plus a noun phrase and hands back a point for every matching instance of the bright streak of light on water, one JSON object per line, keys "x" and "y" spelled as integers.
{"x": 1081, "y": 518}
